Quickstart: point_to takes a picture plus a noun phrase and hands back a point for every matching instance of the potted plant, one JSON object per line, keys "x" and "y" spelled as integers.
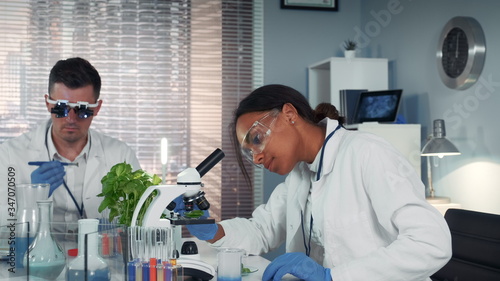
{"x": 350, "y": 48}
{"x": 122, "y": 189}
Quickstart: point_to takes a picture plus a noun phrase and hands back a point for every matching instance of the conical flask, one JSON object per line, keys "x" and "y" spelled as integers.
{"x": 88, "y": 265}
{"x": 45, "y": 257}
{"x": 27, "y": 196}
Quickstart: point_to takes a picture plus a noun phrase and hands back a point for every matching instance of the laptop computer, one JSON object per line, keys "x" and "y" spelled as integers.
{"x": 377, "y": 106}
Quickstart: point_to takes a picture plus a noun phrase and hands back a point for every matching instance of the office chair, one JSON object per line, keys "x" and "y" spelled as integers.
{"x": 476, "y": 247}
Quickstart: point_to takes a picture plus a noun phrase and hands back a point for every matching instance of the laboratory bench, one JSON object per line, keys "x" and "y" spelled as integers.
{"x": 111, "y": 251}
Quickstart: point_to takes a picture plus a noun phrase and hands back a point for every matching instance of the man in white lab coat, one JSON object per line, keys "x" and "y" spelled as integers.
{"x": 73, "y": 101}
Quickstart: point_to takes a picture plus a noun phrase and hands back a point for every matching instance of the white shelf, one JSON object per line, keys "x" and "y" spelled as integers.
{"x": 329, "y": 76}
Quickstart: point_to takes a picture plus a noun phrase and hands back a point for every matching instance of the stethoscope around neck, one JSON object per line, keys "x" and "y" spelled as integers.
{"x": 79, "y": 208}
{"x": 307, "y": 245}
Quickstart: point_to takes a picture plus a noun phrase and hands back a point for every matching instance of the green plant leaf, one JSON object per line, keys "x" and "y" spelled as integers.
{"x": 194, "y": 214}
{"x": 156, "y": 180}
{"x": 104, "y": 204}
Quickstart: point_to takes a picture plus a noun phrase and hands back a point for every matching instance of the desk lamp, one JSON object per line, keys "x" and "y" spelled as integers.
{"x": 437, "y": 145}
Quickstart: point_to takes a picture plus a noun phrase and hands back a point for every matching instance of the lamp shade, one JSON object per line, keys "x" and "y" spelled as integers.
{"x": 438, "y": 145}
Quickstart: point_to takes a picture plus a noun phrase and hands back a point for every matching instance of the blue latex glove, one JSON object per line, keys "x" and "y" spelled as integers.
{"x": 297, "y": 264}
{"x": 179, "y": 205}
{"x": 51, "y": 172}
{"x": 201, "y": 231}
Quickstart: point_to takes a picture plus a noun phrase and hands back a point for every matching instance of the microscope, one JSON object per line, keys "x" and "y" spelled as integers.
{"x": 189, "y": 185}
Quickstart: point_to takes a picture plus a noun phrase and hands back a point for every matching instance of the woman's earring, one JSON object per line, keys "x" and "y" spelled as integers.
{"x": 293, "y": 122}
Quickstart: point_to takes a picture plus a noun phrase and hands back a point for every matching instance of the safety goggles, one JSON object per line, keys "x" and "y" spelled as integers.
{"x": 82, "y": 109}
{"x": 257, "y": 136}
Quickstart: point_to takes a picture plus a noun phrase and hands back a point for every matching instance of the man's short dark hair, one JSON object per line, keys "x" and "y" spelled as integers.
{"x": 75, "y": 73}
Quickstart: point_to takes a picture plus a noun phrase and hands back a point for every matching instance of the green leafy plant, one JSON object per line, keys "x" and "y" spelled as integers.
{"x": 350, "y": 45}
{"x": 122, "y": 189}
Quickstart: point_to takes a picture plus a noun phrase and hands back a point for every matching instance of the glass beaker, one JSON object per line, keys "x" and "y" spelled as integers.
{"x": 88, "y": 265}
{"x": 229, "y": 264}
{"x": 45, "y": 257}
{"x": 27, "y": 196}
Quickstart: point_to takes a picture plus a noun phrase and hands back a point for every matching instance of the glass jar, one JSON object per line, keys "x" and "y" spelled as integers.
{"x": 45, "y": 257}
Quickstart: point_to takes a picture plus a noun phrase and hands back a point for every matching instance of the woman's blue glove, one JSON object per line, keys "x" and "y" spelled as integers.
{"x": 297, "y": 264}
{"x": 51, "y": 172}
{"x": 201, "y": 231}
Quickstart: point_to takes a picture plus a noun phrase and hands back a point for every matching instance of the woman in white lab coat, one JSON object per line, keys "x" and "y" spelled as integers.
{"x": 351, "y": 207}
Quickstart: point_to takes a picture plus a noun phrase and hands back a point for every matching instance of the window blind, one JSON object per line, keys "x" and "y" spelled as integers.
{"x": 173, "y": 69}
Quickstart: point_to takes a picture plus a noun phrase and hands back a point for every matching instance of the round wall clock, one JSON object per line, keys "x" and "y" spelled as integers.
{"x": 461, "y": 52}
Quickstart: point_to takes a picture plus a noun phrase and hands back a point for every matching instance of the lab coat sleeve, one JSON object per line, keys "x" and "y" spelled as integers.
{"x": 130, "y": 156}
{"x": 263, "y": 232}
{"x": 113, "y": 151}
{"x": 422, "y": 242}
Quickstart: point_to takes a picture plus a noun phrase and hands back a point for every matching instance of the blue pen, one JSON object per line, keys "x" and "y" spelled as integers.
{"x": 39, "y": 163}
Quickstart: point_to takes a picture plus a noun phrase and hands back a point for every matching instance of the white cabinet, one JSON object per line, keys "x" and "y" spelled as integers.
{"x": 328, "y": 77}
{"x": 404, "y": 137}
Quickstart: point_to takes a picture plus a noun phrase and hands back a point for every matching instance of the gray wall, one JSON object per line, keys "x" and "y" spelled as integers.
{"x": 295, "y": 39}
{"x": 409, "y": 40}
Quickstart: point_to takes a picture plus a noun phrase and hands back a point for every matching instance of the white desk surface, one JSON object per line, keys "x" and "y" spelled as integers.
{"x": 209, "y": 255}
{"x": 442, "y": 208}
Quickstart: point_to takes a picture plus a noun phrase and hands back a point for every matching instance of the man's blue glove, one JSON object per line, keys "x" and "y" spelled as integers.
{"x": 297, "y": 264}
{"x": 51, "y": 172}
{"x": 201, "y": 231}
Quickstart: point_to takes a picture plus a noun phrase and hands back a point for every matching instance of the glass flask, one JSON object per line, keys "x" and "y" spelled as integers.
{"x": 97, "y": 269}
{"x": 27, "y": 196}
{"x": 45, "y": 258}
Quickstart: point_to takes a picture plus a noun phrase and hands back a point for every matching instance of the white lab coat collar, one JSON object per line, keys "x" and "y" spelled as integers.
{"x": 303, "y": 181}
{"x": 330, "y": 148}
